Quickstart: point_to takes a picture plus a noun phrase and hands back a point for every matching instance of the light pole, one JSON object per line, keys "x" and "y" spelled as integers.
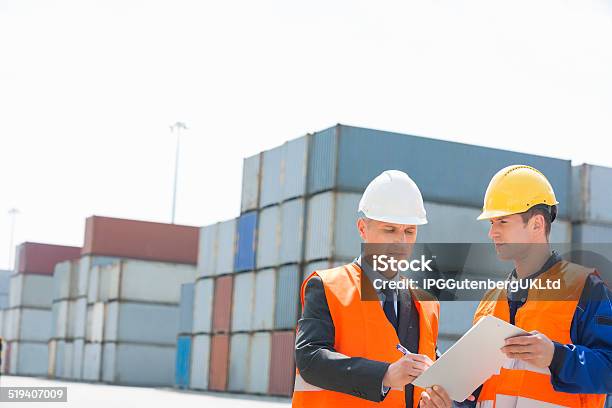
{"x": 178, "y": 126}
{"x": 13, "y": 214}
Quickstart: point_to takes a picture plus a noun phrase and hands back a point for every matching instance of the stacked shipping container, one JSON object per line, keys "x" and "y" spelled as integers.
{"x": 4, "y": 302}
{"x": 28, "y": 319}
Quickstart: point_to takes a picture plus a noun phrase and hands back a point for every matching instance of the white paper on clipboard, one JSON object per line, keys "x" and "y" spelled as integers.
{"x": 471, "y": 360}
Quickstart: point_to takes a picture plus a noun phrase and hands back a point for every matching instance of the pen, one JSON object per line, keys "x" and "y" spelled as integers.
{"x": 403, "y": 349}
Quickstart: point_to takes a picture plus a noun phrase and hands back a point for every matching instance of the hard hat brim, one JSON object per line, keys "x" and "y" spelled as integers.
{"x": 487, "y": 215}
{"x": 399, "y": 220}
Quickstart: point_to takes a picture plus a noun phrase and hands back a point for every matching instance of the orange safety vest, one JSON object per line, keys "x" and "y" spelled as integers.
{"x": 519, "y": 383}
{"x": 362, "y": 330}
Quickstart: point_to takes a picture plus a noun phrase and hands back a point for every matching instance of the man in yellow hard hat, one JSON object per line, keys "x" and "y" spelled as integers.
{"x": 566, "y": 360}
{"x": 347, "y": 346}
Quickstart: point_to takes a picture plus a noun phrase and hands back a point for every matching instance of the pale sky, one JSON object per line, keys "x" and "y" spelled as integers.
{"x": 88, "y": 90}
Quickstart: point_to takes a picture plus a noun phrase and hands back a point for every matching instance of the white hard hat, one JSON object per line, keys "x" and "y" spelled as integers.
{"x": 393, "y": 197}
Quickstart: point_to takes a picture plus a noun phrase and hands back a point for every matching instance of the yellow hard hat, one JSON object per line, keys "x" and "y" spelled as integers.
{"x": 514, "y": 190}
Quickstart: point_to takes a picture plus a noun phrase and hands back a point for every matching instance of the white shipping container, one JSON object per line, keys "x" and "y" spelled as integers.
{"x": 226, "y": 247}
{"x": 294, "y": 168}
{"x": 92, "y": 363}
{"x": 138, "y": 364}
{"x": 77, "y": 359}
{"x": 271, "y": 176}
{"x": 27, "y": 324}
{"x": 242, "y": 309}
{"x": 137, "y": 322}
{"x": 80, "y": 317}
{"x": 250, "y": 183}
{"x": 239, "y": 352}
{"x": 263, "y": 312}
{"x": 207, "y": 250}
{"x": 29, "y": 290}
{"x": 292, "y": 231}
{"x": 85, "y": 264}
{"x": 269, "y": 235}
{"x": 123, "y": 280}
{"x": 202, "y": 306}
{"x": 29, "y": 358}
{"x": 60, "y": 318}
{"x": 200, "y": 358}
{"x": 259, "y": 364}
{"x": 95, "y": 322}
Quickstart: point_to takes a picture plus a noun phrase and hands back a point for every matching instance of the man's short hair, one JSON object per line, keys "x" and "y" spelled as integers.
{"x": 548, "y": 212}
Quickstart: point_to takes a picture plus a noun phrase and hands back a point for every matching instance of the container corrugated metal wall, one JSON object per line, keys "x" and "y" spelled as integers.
{"x": 259, "y": 364}
{"x": 138, "y": 364}
{"x": 186, "y": 308}
{"x": 77, "y": 360}
{"x": 202, "y": 305}
{"x": 287, "y": 297}
{"x": 141, "y": 240}
{"x": 92, "y": 362}
{"x": 331, "y": 226}
{"x": 28, "y": 358}
{"x": 263, "y": 312}
{"x": 446, "y": 183}
{"x": 222, "y": 304}
{"x": 245, "y": 252}
{"x": 133, "y": 322}
{"x": 61, "y": 280}
{"x": 207, "y": 252}
{"x": 282, "y": 367}
{"x": 271, "y": 182}
{"x": 226, "y": 247}
{"x": 31, "y": 291}
{"x": 268, "y": 243}
{"x": 242, "y": 304}
{"x": 86, "y": 263}
{"x": 591, "y": 194}
{"x": 239, "y": 353}
{"x": 183, "y": 360}
{"x": 292, "y": 231}
{"x": 80, "y": 317}
{"x": 250, "y": 183}
{"x": 200, "y": 357}
{"x": 295, "y": 166}
{"x": 219, "y": 359}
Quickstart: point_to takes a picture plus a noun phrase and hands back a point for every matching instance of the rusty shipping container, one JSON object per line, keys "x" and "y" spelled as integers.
{"x": 141, "y": 240}
{"x": 36, "y": 258}
{"x": 219, "y": 358}
{"x": 282, "y": 366}
{"x": 222, "y": 304}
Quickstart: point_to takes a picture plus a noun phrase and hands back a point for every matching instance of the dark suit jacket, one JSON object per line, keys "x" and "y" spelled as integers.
{"x": 321, "y": 366}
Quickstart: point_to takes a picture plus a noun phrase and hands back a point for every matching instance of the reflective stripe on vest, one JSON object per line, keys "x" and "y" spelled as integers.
{"x": 519, "y": 383}
{"x": 362, "y": 330}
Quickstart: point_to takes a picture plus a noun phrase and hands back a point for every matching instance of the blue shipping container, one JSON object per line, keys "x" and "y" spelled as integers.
{"x": 186, "y": 308}
{"x": 347, "y": 158}
{"x": 245, "y": 254}
{"x": 183, "y": 359}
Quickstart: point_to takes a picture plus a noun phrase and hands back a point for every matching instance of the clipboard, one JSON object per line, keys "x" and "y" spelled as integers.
{"x": 474, "y": 358}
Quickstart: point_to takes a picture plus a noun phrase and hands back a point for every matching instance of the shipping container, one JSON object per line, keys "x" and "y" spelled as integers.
{"x": 331, "y": 230}
{"x": 65, "y": 280}
{"x": 259, "y": 364}
{"x": 226, "y": 247}
{"x": 141, "y": 322}
{"x": 123, "y": 280}
{"x": 141, "y": 240}
{"x": 219, "y": 359}
{"x": 31, "y": 291}
{"x": 263, "y": 311}
{"x": 80, "y": 317}
{"x": 200, "y": 358}
{"x": 207, "y": 252}
{"x": 222, "y": 304}
{"x": 59, "y": 319}
{"x": 239, "y": 353}
{"x": 269, "y": 235}
{"x": 242, "y": 310}
{"x": 77, "y": 359}
{"x": 295, "y": 166}
{"x": 138, "y": 364}
{"x": 92, "y": 362}
{"x": 250, "y": 183}
{"x": 186, "y": 308}
{"x": 28, "y": 358}
{"x": 64, "y": 368}
{"x": 95, "y": 322}
{"x": 36, "y": 258}
{"x": 591, "y": 194}
{"x": 287, "y": 297}
{"x": 26, "y": 324}
{"x": 271, "y": 181}
{"x": 86, "y": 263}
{"x": 4, "y": 301}
{"x": 282, "y": 366}
{"x": 203, "y": 305}
{"x": 5, "y": 277}
{"x": 246, "y": 242}
{"x": 183, "y": 360}
{"x": 346, "y": 158}
{"x": 292, "y": 231}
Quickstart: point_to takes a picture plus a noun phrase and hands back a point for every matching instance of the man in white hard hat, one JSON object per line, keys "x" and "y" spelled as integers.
{"x": 346, "y": 346}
